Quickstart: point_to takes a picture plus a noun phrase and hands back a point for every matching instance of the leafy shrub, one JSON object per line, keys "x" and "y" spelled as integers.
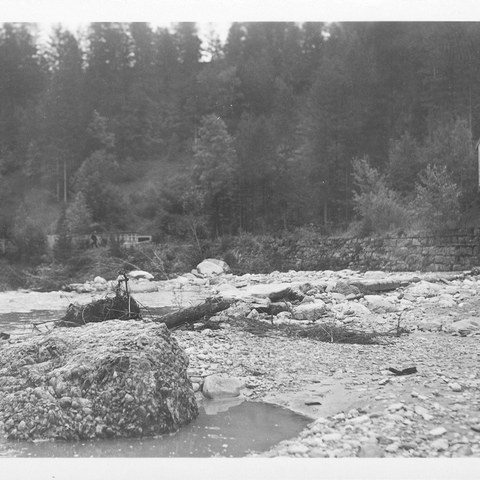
{"x": 437, "y": 201}
{"x": 379, "y": 208}
{"x": 29, "y": 241}
{"x": 78, "y": 215}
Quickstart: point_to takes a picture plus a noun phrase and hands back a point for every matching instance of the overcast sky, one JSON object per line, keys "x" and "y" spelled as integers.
{"x": 225, "y": 11}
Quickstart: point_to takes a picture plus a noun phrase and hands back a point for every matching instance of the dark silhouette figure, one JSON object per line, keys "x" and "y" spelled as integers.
{"x": 94, "y": 239}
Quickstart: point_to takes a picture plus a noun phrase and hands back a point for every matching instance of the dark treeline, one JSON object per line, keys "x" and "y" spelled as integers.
{"x": 285, "y": 125}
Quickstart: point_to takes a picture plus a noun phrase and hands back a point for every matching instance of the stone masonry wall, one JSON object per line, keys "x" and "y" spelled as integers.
{"x": 442, "y": 252}
{"x": 307, "y": 250}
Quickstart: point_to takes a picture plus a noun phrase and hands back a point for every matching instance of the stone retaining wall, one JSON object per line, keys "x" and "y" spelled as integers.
{"x": 441, "y": 252}
{"x": 307, "y": 250}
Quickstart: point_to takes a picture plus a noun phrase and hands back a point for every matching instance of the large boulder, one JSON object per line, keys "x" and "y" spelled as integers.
{"x": 140, "y": 274}
{"x": 109, "y": 379}
{"x": 212, "y": 266}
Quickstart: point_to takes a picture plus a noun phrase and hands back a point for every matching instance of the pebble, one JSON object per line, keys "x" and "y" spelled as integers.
{"x": 419, "y": 410}
{"x": 440, "y": 444}
{"x": 298, "y": 448}
{"x": 360, "y": 419}
{"x": 437, "y": 432}
{"x": 392, "y": 448}
{"x": 463, "y": 451}
{"x": 370, "y": 450}
{"x": 332, "y": 437}
{"x": 455, "y": 387}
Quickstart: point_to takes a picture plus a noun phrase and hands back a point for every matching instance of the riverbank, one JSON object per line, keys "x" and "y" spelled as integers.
{"x": 357, "y": 405}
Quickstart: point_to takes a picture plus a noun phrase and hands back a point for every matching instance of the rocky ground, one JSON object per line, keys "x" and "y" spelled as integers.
{"x": 358, "y": 406}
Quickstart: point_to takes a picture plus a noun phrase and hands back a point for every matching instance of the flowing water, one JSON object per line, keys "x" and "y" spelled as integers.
{"x": 241, "y": 429}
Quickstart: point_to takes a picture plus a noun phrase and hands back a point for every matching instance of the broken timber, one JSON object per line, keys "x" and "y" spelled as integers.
{"x": 187, "y": 316}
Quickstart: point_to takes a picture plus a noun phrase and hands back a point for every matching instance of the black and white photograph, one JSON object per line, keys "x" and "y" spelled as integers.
{"x": 240, "y": 241}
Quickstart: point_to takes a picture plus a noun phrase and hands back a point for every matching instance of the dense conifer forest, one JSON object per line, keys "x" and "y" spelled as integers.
{"x": 129, "y": 127}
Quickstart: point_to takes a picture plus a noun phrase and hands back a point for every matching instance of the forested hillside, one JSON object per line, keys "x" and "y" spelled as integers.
{"x": 285, "y": 125}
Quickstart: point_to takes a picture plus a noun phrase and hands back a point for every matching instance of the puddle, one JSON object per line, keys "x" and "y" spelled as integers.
{"x": 242, "y": 429}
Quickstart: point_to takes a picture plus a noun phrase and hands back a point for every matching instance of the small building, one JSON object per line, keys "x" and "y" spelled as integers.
{"x": 125, "y": 239}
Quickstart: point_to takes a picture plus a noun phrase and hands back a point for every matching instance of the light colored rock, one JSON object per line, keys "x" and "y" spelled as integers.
{"x": 395, "y": 407}
{"x": 212, "y": 266}
{"x": 332, "y": 437}
{"x": 371, "y": 450}
{"x": 437, "y": 432}
{"x": 216, "y": 386}
{"x": 360, "y": 419}
{"x": 138, "y": 274}
{"x": 464, "y": 327}
{"x": 309, "y": 311}
{"x": 100, "y": 280}
{"x": 392, "y": 448}
{"x": 424, "y": 289}
{"x": 252, "y": 293}
{"x": 446, "y": 300}
{"x": 142, "y": 286}
{"x": 284, "y": 316}
{"x": 374, "y": 274}
{"x": 422, "y": 411}
{"x": 463, "y": 451}
{"x": 352, "y": 309}
{"x": 380, "y": 304}
{"x": 431, "y": 324}
{"x": 455, "y": 387}
{"x": 345, "y": 288}
{"x": 440, "y": 444}
{"x": 298, "y": 448}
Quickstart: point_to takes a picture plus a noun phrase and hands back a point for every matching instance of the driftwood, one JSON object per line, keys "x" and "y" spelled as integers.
{"x": 190, "y": 315}
{"x": 382, "y": 285}
{"x": 119, "y": 307}
{"x": 274, "y": 308}
{"x": 287, "y": 294}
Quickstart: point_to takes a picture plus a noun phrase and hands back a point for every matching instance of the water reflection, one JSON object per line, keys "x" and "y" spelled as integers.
{"x": 244, "y": 428}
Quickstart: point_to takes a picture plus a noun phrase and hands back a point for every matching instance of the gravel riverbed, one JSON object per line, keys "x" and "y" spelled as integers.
{"x": 359, "y": 408}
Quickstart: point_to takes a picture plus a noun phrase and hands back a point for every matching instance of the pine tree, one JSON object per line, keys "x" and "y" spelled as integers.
{"x": 215, "y": 159}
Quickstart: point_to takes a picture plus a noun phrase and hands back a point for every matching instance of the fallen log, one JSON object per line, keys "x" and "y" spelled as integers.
{"x": 287, "y": 295}
{"x": 190, "y": 315}
{"x": 381, "y": 285}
